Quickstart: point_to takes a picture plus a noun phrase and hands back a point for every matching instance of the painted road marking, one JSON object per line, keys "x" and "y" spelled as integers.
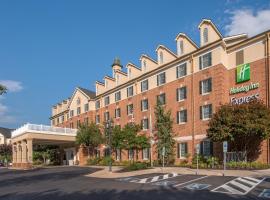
{"x": 149, "y": 179}
{"x": 265, "y": 194}
{"x": 164, "y": 183}
{"x": 196, "y": 179}
{"x": 197, "y": 186}
{"x": 239, "y": 186}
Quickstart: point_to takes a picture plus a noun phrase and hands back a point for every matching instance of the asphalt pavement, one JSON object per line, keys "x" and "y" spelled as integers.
{"x": 68, "y": 183}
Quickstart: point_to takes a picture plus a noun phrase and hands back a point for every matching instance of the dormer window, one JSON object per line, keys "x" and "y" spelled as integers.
{"x": 106, "y": 83}
{"x": 117, "y": 79}
{"x": 161, "y": 57}
{"x": 78, "y": 101}
{"x": 205, "y": 35}
{"x": 129, "y": 73}
{"x": 181, "y": 47}
{"x": 144, "y": 66}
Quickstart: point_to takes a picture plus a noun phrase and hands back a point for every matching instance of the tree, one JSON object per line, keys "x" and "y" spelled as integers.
{"x": 164, "y": 127}
{"x": 3, "y": 89}
{"x": 5, "y": 152}
{"x": 244, "y": 126}
{"x": 89, "y": 136}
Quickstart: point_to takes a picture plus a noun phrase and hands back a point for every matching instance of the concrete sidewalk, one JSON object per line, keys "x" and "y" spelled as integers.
{"x": 104, "y": 172}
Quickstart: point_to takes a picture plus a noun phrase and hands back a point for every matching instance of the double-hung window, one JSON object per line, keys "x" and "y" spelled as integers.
{"x": 78, "y": 110}
{"x": 161, "y": 99}
{"x": 71, "y": 113}
{"x": 145, "y": 124}
{"x": 161, "y": 78}
{"x": 144, "y": 105}
{"x": 117, "y": 112}
{"x": 145, "y": 154}
{"x": 181, "y": 70}
{"x": 97, "y": 119}
{"x": 144, "y": 85}
{"x": 181, "y": 116}
{"x": 130, "y": 91}
{"x": 117, "y": 96}
{"x": 86, "y": 107}
{"x": 107, "y": 100}
{"x": 182, "y": 150}
{"x": 181, "y": 93}
{"x": 206, "y": 86}
{"x": 106, "y": 116}
{"x": 205, "y": 60}
{"x": 206, "y": 112}
{"x": 130, "y": 109}
{"x": 98, "y": 104}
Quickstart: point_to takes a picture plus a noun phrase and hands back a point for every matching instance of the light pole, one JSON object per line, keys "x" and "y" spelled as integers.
{"x": 109, "y": 129}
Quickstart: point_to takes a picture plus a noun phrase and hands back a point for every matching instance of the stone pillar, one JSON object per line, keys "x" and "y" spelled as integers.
{"x": 14, "y": 153}
{"x": 30, "y": 151}
{"x": 19, "y": 154}
{"x": 24, "y": 152}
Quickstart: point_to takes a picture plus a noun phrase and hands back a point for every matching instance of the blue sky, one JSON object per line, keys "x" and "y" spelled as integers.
{"x": 47, "y": 48}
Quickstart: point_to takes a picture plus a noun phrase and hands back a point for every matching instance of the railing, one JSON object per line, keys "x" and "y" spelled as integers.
{"x": 43, "y": 129}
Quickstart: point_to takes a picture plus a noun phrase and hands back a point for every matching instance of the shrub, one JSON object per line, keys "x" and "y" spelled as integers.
{"x": 93, "y": 161}
{"x": 247, "y": 165}
{"x": 105, "y": 161}
{"x": 137, "y": 166}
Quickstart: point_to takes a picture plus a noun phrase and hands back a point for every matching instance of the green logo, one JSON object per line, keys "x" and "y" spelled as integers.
{"x": 243, "y": 73}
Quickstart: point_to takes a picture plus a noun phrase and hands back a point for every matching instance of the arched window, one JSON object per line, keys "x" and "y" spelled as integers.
{"x": 144, "y": 66}
{"x": 181, "y": 47}
{"x": 205, "y": 35}
{"x": 161, "y": 57}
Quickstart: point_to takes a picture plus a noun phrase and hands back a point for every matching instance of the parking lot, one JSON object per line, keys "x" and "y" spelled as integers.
{"x": 72, "y": 183}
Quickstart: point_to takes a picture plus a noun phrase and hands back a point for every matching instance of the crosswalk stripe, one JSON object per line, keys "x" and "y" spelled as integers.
{"x": 166, "y": 176}
{"x": 245, "y": 181}
{"x": 231, "y": 190}
{"x": 243, "y": 187}
{"x": 253, "y": 179}
{"x": 190, "y": 181}
{"x": 154, "y": 179}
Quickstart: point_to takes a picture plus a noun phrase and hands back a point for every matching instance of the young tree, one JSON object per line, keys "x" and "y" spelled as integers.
{"x": 89, "y": 136}
{"x": 3, "y": 89}
{"x": 244, "y": 126}
{"x": 164, "y": 127}
{"x": 5, "y": 152}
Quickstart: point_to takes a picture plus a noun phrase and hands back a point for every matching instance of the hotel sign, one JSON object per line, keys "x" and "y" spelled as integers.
{"x": 243, "y": 73}
{"x": 244, "y": 88}
{"x": 245, "y": 99}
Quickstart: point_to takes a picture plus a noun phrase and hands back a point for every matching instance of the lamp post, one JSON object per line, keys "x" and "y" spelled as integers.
{"x": 109, "y": 129}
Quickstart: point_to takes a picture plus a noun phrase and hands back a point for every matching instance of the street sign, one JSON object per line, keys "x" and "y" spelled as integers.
{"x": 197, "y": 186}
{"x": 163, "y": 151}
{"x": 265, "y": 194}
{"x": 198, "y": 148}
{"x": 225, "y": 146}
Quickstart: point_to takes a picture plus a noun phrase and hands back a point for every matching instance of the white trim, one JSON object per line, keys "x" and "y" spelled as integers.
{"x": 236, "y": 50}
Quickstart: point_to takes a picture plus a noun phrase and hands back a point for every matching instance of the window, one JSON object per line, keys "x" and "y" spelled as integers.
{"x": 78, "y": 123}
{"x": 78, "y": 101}
{"x": 71, "y": 113}
{"x": 107, "y": 100}
{"x": 205, "y": 60}
{"x": 118, "y": 154}
{"x": 145, "y": 124}
{"x": 78, "y": 110}
{"x": 106, "y": 84}
{"x": 206, "y": 147}
{"x": 206, "y": 112}
{"x": 86, "y": 107}
{"x": 181, "y": 70}
{"x": 144, "y": 66}
{"x": 117, "y": 112}
{"x": 63, "y": 118}
{"x": 118, "y": 96}
{"x": 71, "y": 125}
{"x": 182, "y": 150}
{"x": 181, "y": 47}
{"x": 144, "y": 105}
{"x": 130, "y": 109}
{"x": 58, "y": 120}
{"x": 206, "y": 86}
{"x": 130, "y": 154}
{"x": 130, "y": 91}
{"x": 129, "y": 73}
{"x": 117, "y": 79}
{"x": 205, "y": 35}
{"x": 106, "y": 116}
{"x": 182, "y": 117}
{"x": 161, "y": 78}
{"x": 86, "y": 120}
{"x": 161, "y": 99}
{"x": 144, "y": 85}
{"x": 161, "y": 57}
{"x": 97, "y": 119}
{"x": 98, "y": 104}
{"x": 239, "y": 57}
{"x": 181, "y": 93}
{"x": 145, "y": 154}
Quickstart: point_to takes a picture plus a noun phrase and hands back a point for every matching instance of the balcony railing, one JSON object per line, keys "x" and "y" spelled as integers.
{"x": 43, "y": 129}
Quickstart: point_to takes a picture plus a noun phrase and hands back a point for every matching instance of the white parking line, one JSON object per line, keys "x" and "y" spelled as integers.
{"x": 156, "y": 178}
{"x": 190, "y": 181}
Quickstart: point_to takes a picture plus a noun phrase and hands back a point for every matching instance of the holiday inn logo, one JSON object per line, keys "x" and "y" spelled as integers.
{"x": 243, "y": 73}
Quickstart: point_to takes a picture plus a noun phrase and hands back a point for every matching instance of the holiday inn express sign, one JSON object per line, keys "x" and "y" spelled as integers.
{"x": 243, "y": 73}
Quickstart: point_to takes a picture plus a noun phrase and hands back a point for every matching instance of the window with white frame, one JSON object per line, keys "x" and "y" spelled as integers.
{"x": 181, "y": 70}
{"x": 205, "y": 35}
{"x": 71, "y": 113}
{"x": 97, "y": 119}
{"x": 161, "y": 57}
{"x": 181, "y": 93}
{"x": 98, "y": 104}
{"x": 180, "y": 47}
{"x": 130, "y": 154}
{"x": 117, "y": 112}
{"x": 181, "y": 116}
{"x": 145, "y": 153}
{"x": 78, "y": 101}
{"x": 117, "y": 79}
{"x": 161, "y": 78}
{"x": 144, "y": 105}
{"x": 129, "y": 73}
{"x": 86, "y": 107}
{"x": 78, "y": 110}
{"x": 144, "y": 85}
{"x": 130, "y": 109}
{"x": 130, "y": 91}
{"x": 182, "y": 150}
{"x": 117, "y": 96}
{"x": 206, "y": 147}
{"x": 145, "y": 124}
{"x": 106, "y": 116}
{"x": 161, "y": 99}
{"x": 205, "y": 60}
{"x": 206, "y": 86}
{"x": 206, "y": 112}
{"x": 144, "y": 66}
{"x": 107, "y": 100}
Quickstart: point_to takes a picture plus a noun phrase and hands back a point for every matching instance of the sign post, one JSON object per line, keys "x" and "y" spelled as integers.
{"x": 225, "y": 149}
{"x": 163, "y": 155}
{"x": 197, "y": 155}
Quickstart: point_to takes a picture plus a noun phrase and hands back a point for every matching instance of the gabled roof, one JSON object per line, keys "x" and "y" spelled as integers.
{"x": 133, "y": 65}
{"x": 6, "y": 132}
{"x": 188, "y": 38}
{"x": 167, "y": 49}
{"x": 212, "y": 24}
{"x": 148, "y": 57}
{"x": 87, "y": 92}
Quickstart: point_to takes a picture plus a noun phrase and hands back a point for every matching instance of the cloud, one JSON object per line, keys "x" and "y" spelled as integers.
{"x": 248, "y": 21}
{"x": 4, "y": 117}
{"x": 12, "y": 86}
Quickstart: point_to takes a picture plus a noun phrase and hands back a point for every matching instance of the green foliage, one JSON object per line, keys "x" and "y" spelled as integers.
{"x": 3, "y": 89}
{"x": 5, "y": 152}
{"x": 247, "y": 165}
{"x": 137, "y": 166}
{"x": 164, "y": 129}
{"x": 100, "y": 161}
{"x": 89, "y": 136}
{"x": 42, "y": 153}
{"x": 93, "y": 161}
{"x": 244, "y": 126}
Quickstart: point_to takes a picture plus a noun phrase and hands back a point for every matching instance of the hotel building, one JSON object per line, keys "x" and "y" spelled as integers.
{"x": 192, "y": 83}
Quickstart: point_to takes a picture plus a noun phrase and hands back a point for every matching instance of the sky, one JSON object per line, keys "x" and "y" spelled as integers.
{"x": 48, "y": 48}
